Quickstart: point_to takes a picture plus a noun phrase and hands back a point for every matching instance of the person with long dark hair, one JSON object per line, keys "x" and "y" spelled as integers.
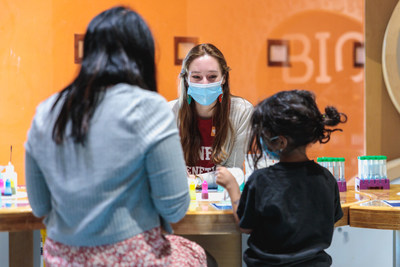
{"x": 213, "y": 124}
{"x": 104, "y": 164}
{"x": 289, "y": 208}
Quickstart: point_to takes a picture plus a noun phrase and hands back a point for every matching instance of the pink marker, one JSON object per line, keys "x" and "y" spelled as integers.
{"x": 204, "y": 190}
{"x": 1, "y": 186}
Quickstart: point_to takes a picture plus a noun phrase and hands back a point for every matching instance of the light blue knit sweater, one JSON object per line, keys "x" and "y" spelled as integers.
{"x": 130, "y": 172}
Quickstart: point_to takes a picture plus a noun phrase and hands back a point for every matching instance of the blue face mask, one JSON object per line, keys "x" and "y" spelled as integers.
{"x": 205, "y": 94}
{"x": 274, "y": 155}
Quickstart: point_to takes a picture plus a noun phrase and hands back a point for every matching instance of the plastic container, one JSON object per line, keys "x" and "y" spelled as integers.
{"x": 341, "y": 162}
{"x": 10, "y": 174}
{"x": 7, "y": 189}
{"x": 336, "y": 168}
{"x": 1, "y": 185}
{"x": 322, "y": 161}
{"x": 363, "y": 167}
{"x": 382, "y": 167}
{"x": 192, "y": 190}
{"x": 204, "y": 190}
{"x": 372, "y": 173}
{"x": 359, "y": 163}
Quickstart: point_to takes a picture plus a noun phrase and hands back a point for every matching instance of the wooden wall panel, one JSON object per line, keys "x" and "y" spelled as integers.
{"x": 382, "y": 128}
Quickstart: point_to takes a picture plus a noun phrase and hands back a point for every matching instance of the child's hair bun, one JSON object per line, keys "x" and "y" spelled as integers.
{"x": 332, "y": 117}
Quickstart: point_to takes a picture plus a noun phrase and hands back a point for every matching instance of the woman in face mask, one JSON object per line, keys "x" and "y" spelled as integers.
{"x": 213, "y": 123}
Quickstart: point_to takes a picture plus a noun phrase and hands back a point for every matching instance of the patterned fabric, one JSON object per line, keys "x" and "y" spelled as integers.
{"x": 149, "y": 248}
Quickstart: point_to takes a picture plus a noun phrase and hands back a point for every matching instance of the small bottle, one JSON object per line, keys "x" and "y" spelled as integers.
{"x": 325, "y": 162}
{"x": 370, "y": 169}
{"x": 192, "y": 190}
{"x": 381, "y": 167}
{"x": 341, "y": 169}
{"x": 13, "y": 190}
{"x": 330, "y": 165}
{"x": 364, "y": 167}
{"x": 384, "y": 169}
{"x": 204, "y": 190}
{"x": 1, "y": 186}
{"x": 375, "y": 167}
{"x": 11, "y": 174}
{"x": 336, "y": 168}
{"x": 7, "y": 189}
{"x": 241, "y": 187}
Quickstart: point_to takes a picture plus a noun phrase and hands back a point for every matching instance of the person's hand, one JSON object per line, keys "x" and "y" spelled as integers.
{"x": 225, "y": 178}
{"x": 198, "y": 179}
{"x": 190, "y": 176}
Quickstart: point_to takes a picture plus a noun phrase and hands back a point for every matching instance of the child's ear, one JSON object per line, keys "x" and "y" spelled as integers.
{"x": 283, "y": 142}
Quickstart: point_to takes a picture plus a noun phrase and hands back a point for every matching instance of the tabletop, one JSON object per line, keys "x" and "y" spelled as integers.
{"x": 378, "y": 213}
{"x": 203, "y": 218}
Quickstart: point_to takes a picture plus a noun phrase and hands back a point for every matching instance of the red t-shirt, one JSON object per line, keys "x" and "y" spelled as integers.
{"x": 205, "y": 163}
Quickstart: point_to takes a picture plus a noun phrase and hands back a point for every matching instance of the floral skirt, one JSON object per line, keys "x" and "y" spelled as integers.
{"x": 150, "y": 248}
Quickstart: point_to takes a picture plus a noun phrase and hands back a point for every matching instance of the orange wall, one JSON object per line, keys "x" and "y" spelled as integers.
{"x": 36, "y": 55}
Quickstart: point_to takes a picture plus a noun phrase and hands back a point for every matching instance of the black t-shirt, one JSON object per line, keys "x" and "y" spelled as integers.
{"x": 292, "y": 208}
